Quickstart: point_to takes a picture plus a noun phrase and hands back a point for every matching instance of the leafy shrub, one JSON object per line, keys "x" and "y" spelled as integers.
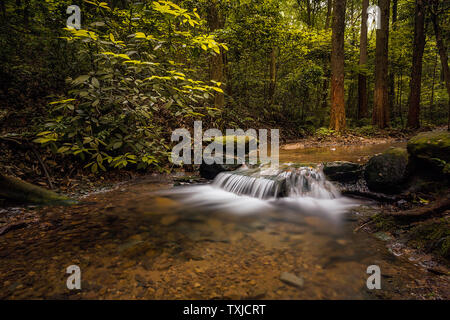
{"x": 121, "y": 112}
{"x": 368, "y": 130}
{"x": 324, "y": 132}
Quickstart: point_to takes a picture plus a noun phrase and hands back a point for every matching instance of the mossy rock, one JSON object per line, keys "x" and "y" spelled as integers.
{"x": 431, "y": 145}
{"x": 387, "y": 172}
{"x": 232, "y": 139}
{"x": 430, "y": 153}
{"x": 342, "y": 171}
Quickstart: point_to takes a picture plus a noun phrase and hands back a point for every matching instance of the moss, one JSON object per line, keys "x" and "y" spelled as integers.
{"x": 232, "y": 139}
{"x": 398, "y": 152}
{"x": 446, "y": 169}
{"x": 431, "y": 145}
{"x": 384, "y": 223}
{"x": 17, "y": 190}
{"x": 432, "y": 237}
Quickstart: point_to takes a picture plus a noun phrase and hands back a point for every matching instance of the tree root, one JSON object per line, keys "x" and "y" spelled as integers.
{"x": 438, "y": 207}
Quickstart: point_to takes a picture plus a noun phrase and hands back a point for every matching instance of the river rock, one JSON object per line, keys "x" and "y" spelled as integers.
{"x": 291, "y": 279}
{"x": 431, "y": 150}
{"x": 342, "y": 171}
{"x": 210, "y": 171}
{"x": 387, "y": 172}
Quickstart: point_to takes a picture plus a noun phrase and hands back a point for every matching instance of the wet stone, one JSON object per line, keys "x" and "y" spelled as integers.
{"x": 292, "y": 279}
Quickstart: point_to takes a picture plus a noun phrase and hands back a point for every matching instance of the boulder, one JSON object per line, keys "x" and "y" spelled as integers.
{"x": 210, "y": 171}
{"x": 387, "y": 172}
{"x": 430, "y": 150}
{"x": 342, "y": 171}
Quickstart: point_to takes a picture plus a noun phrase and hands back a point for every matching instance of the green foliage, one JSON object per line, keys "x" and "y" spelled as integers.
{"x": 432, "y": 237}
{"x": 116, "y": 115}
{"x": 367, "y": 130}
{"x": 324, "y": 132}
{"x": 110, "y": 94}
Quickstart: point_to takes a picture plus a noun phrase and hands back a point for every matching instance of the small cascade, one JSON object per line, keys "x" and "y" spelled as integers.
{"x": 270, "y": 183}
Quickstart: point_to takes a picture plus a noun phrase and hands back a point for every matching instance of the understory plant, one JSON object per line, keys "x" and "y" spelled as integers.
{"x": 138, "y": 85}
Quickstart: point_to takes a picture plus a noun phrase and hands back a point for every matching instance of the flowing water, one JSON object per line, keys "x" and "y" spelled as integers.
{"x": 231, "y": 238}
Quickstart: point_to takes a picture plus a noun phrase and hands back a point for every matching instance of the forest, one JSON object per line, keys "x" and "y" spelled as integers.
{"x": 91, "y": 92}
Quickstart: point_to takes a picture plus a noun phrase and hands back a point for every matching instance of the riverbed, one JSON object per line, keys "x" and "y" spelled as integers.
{"x": 142, "y": 240}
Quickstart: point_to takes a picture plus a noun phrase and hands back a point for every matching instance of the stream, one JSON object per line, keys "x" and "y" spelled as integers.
{"x": 230, "y": 239}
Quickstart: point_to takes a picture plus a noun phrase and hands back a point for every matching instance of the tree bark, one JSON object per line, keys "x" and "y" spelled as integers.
{"x": 327, "y": 73}
{"x": 327, "y": 20}
{"x": 391, "y": 72}
{"x": 362, "y": 78}
{"x": 432, "y": 88}
{"x": 381, "y": 108}
{"x": 442, "y": 50}
{"x": 337, "y": 113}
{"x": 416, "y": 70}
{"x": 273, "y": 75}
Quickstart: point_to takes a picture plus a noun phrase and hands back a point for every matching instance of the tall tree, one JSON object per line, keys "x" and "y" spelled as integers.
{"x": 380, "y": 116}
{"x": 362, "y": 78}
{"x": 327, "y": 74}
{"x": 391, "y": 72}
{"x": 217, "y": 65}
{"x": 442, "y": 49}
{"x": 337, "y": 113}
{"x": 273, "y": 75}
{"x": 416, "y": 70}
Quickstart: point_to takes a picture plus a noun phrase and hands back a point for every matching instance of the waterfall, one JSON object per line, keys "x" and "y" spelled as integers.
{"x": 255, "y": 191}
{"x": 269, "y": 184}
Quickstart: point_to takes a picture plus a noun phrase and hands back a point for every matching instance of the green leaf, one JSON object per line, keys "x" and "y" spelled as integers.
{"x": 81, "y": 79}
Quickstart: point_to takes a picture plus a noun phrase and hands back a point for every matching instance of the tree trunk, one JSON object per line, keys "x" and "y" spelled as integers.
{"x": 17, "y": 190}
{"x": 362, "y": 78}
{"x": 442, "y": 50}
{"x": 391, "y": 72}
{"x": 337, "y": 113}
{"x": 327, "y": 74}
{"x": 432, "y": 88}
{"x": 381, "y": 92}
{"x": 327, "y": 20}
{"x": 273, "y": 75}
{"x": 217, "y": 73}
{"x": 308, "y": 10}
{"x": 416, "y": 70}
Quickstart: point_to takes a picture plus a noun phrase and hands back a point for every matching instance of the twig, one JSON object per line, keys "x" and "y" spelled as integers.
{"x": 363, "y": 225}
{"x": 12, "y": 226}
{"x": 43, "y": 167}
